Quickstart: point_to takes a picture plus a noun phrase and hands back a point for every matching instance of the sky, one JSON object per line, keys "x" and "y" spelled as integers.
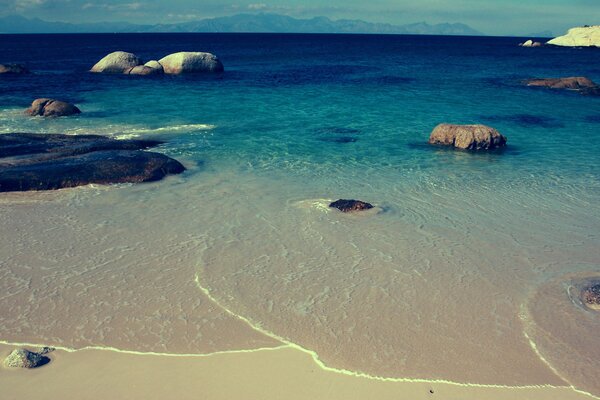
{"x": 492, "y": 17}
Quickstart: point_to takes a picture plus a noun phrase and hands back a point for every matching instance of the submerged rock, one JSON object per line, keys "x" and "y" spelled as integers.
{"x": 591, "y": 296}
{"x": 46, "y": 162}
{"x": 13, "y": 69}
{"x": 117, "y": 63}
{"x": 350, "y": 205}
{"x": 23, "y": 358}
{"x": 51, "y": 108}
{"x": 574, "y": 82}
{"x": 191, "y": 62}
{"x": 580, "y": 84}
{"x": 468, "y": 137}
{"x": 585, "y": 36}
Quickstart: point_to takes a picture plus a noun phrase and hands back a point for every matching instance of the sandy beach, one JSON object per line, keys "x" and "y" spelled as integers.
{"x": 282, "y": 373}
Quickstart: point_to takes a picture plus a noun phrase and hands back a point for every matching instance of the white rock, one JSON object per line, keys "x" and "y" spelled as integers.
{"x": 585, "y": 36}
{"x": 189, "y": 62}
{"x": 117, "y": 63}
{"x": 154, "y": 65}
{"x": 527, "y": 43}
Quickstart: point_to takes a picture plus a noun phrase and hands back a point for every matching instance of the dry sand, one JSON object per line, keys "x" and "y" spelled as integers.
{"x": 283, "y": 373}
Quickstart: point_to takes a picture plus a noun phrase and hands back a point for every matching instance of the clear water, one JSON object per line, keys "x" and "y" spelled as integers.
{"x": 449, "y": 281}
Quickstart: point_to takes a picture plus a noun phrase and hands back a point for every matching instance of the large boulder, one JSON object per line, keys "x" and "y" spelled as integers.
{"x": 51, "y": 108}
{"x": 13, "y": 69}
{"x": 350, "y": 205}
{"x": 585, "y": 36}
{"x": 45, "y": 162}
{"x": 117, "y": 63}
{"x": 23, "y": 358}
{"x": 191, "y": 62}
{"x": 468, "y": 137}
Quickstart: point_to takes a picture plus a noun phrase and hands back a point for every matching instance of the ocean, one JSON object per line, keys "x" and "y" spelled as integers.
{"x": 466, "y": 271}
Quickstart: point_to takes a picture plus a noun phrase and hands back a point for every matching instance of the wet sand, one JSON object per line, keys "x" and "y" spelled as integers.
{"x": 283, "y": 373}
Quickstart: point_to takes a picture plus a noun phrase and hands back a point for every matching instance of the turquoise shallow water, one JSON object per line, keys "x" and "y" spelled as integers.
{"x": 443, "y": 283}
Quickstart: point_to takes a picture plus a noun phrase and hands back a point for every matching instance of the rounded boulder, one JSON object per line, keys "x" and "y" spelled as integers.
{"x": 117, "y": 63}
{"x": 52, "y": 108}
{"x": 191, "y": 62}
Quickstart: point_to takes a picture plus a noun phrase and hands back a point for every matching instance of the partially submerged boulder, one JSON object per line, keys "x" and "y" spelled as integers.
{"x": 584, "y": 36}
{"x": 51, "y": 108}
{"x": 350, "y": 205}
{"x": 191, "y": 62}
{"x": 16, "y": 69}
{"x": 23, "y": 358}
{"x": 580, "y": 84}
{"x": 117, "y": 63}
{"x": 46, "y": 162}
{"x": 143, "y": 70}
{"x": 468, "y": 137}
{"x": 574, "y": 82}
{"x": 530, "y": 43}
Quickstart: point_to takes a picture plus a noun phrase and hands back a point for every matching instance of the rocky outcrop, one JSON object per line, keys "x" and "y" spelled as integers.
{"x": 51, "y": 108}
{"x": 46, "y": 162}
{"x": 13, "y": 69}
{"x": 578, "y": 83}
{"x": 467, "y": 137}
{"x": 117, "y": 63}
{"x": 530, "y": 43}
{"x": 23, "y": 358}
{"x": 585, "y": 36}
{"x": 591, "y": 297}
{"x": 191, "y": 62}
{"x": 350, "y": 205}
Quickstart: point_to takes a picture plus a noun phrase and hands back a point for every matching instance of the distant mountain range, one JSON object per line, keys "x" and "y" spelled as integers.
{"x": 265, "y": 23}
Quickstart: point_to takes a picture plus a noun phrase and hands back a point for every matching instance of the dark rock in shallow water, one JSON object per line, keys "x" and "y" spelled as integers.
{"x": 350, "y": 205}
{"x": 46, "y": 162}
{"x": 51, "y": 108}
{"x": 578, "y": 83}
{"x": 339, "y": 139}
{"x": 591, "y": 296}
{"x": 16, "y": 69}
{"x": 526, "y": 120}
{"x": 22, "y": 358}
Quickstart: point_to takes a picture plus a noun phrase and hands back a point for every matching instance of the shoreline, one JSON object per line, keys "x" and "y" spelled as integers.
{"x": 260, "y": 373}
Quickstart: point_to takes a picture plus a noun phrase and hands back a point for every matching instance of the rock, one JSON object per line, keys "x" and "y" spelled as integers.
{"x": 585, "y": 36}
{"x": 51, "y": 108}
{"x": 576, "y": 83}
{"x": 468, "y": 137}
{"x": 591, "y": 297}
{"x": 46, "y": 162}
{"x": 143, "y": 70}
{"x": 191, "y": 62}
{"x": 350, "y": 205}
{"x": 117, "y": 63}
{"x": 22, "y": 358}
{"x": 579, "y": 83}
{"x": 530, "y": 43}
{"x": 155, "y": 64}
{"x": 13, "y": 69}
